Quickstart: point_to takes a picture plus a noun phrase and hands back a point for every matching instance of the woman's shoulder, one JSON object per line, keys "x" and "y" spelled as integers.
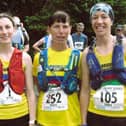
{"x": 26, "y": 57}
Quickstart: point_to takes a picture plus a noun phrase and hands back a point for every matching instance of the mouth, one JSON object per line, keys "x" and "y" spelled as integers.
{"x": 61, "y": 38}
{"x": 100, "y": 28}
{"x": 4, "y": 37}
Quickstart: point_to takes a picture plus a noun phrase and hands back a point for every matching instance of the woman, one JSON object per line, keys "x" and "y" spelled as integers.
{"x": 58, "y": 103}
{"x": 17, "y": 98}
{"x": 103, "y": 81}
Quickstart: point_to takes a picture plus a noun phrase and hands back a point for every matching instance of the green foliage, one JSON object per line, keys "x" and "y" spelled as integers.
{"x": 78, "y": 10}
{"x": 35, "y": 13}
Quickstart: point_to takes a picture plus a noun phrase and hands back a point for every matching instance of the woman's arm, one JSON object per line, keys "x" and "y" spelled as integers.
{"x": 84, "y": 89}
{"x": 37, "y": 44}
{"x": 29, "y": 87}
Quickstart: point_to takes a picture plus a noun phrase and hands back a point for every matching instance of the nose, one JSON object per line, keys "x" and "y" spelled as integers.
{"x": 61, "y": 29}
{"x": 99, "y": 20}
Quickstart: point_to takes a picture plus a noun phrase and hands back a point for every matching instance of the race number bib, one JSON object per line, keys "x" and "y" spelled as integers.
{"x": 55, "y": 100}
{"x": 79, "y": 45}
{"x": 8, "y": 96}
{"x": 110, "y": 98}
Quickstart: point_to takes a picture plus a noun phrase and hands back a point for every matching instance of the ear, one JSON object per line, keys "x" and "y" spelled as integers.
{"x": 48, "y": 30}
{"x": 111, "y": 22}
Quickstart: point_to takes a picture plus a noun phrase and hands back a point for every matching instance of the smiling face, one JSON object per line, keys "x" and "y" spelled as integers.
{"x": 101, "y": 23}
{"x": 6, "y": 30}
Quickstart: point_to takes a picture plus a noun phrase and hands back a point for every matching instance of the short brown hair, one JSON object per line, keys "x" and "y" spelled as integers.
{"x": 59, "y": 16}
{"x": 80, "y": 24}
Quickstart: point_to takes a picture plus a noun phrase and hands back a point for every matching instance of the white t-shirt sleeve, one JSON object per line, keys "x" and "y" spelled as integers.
{"x": 70, "y": 41}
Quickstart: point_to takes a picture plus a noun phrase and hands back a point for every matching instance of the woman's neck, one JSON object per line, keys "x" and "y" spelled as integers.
{"x": 105, "y": 45}
{"x": 5, "y": 48}
{"x": 105, "y": 40}
{"x": 6, "y": 52}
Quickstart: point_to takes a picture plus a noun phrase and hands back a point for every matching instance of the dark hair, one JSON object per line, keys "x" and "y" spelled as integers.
{"x": 80, "y": 24}
{"x": 6, "y": 15}
{"x": 59, "y": 16}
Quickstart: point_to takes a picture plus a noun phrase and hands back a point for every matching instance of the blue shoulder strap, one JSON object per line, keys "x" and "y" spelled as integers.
{"x": 93, "y": 63}
{"x": 42, "y": 79}
{"x": 43, "y": 59}
{"x": 118, "y": 58}
{"x": 70, "y": 80}
{"x": 118, "y": 62}
{"x": 46, "y": 40}
{"x": 74, "y": 60}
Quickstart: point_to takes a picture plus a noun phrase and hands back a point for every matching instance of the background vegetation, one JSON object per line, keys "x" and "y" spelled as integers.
{"x": 34, "y": 13}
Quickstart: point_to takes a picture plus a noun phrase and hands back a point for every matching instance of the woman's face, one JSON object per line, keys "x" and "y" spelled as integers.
{"x": 101, "y": 23}
{"x": 60, "y": 31}
{"x": 6, "y": 30}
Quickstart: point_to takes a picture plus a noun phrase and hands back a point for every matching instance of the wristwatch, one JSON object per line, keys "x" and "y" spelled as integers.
{"x": 32, "y": 121}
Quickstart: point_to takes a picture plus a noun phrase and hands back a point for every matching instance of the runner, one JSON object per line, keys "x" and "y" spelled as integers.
{"x": 80, "y": 40}
{"x": 58, "y": 77}
{"x": 17, "y": 98}
{"x": 103, "y": 80}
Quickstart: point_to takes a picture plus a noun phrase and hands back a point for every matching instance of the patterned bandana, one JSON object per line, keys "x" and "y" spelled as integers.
{"x": 104, "y": 8}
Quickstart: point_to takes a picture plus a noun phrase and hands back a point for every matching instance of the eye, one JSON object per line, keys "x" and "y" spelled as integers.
{"x": 65, "y": 26}
{"x": 104, "y": 16}
{"x": 7, "y": 26}
{"x": 56, "y": 26}
{"x": 94, "y": 17}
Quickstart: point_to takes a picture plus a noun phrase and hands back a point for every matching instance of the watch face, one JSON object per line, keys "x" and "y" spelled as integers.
{"x": 32, "y": 122}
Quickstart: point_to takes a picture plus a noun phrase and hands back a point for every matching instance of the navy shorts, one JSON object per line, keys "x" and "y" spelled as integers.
{"x": 22, "y": 121}
{"x": 99, "y": 120}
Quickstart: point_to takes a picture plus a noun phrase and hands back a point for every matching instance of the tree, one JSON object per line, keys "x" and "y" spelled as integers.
{"x": 35, "y": 13}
